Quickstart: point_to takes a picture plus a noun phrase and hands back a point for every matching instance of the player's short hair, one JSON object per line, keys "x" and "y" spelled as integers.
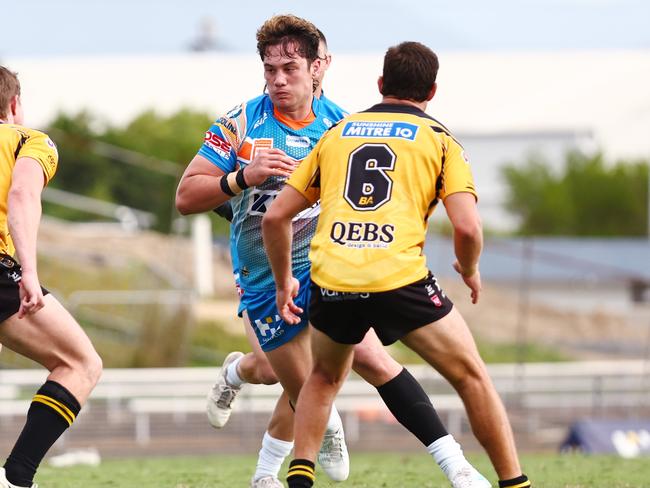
{"x": 410, "y": 71}
{"x": 285, "y": 30}
{"x": 321, "y": 37}
{"x": 9, "y": 88}
{"x": 322, "y": 40}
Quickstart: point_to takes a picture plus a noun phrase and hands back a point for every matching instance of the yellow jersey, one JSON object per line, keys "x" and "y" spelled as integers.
{"x": 20, "y": 142}
{"x": 379, "y": 175}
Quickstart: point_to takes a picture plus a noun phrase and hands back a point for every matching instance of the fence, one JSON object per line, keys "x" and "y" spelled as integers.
{"x": 161, "y": 410}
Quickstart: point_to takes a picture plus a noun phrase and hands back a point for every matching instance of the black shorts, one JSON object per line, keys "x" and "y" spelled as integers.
{"x": 10, "y": 275}
{"x": 346, "y": 317}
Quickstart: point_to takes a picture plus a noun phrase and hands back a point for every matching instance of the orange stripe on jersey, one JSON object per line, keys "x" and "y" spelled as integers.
{"x": 294, "y": 124}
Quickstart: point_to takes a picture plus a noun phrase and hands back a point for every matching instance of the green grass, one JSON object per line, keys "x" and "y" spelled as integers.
{"x": 491, "y": 352}
{"x": 368, "y": 470}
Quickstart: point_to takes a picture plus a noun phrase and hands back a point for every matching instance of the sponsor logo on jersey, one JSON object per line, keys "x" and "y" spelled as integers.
{"x": 339, "y": 296}
{"x": 261, "y": 120}
{"x": 298, "y": 141}
{"x": 217, "y": 144}
{"x": 228, "y": 124}
{"x": 362, "y": 234}
{"x": 261, "y": 200}
{"x": 234, "y": 112}
{"x": 328, "y": 123}
{"x": 432, "y": 292}
{"x": 465, "y": 156}
{"x": 380, "y": 129}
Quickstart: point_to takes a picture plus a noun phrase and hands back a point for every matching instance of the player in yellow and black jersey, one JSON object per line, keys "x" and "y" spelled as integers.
{"x": 20, "y": 142}
{"x": 379, "y": 174}
{"x": 32, "y": 322}
{"x": 391, "y": 164}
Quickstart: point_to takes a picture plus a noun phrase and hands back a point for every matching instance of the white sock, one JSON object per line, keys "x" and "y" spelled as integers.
{"x": 448, "y": 454}
{"x": 334, "y": 423}
{"x": 271, "y": 456}
{"x": 232, "y": 376}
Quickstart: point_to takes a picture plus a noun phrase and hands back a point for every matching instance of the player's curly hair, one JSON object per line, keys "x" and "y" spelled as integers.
{"x": 410, "y": 71}
{"x": 9, "y": 88}
{"x": 285, "y": 30}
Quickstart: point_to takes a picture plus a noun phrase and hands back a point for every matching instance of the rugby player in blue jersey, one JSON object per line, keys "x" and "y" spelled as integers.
{"x": 246, "y": 158}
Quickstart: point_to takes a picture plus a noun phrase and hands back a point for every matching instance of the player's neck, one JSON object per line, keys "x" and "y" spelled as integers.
{"x": 297, "y": 113}
{"x": 400, "y": 101}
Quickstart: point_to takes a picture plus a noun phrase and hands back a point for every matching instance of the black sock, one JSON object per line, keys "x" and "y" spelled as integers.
{"x": 52, "y": 411}
{"x": 301, "y": 474}
{"x": 411, "y": 406}
{"x": 518, "y": 482}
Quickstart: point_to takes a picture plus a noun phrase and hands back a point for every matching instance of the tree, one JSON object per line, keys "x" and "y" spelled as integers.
{"x": 587, "y": 198}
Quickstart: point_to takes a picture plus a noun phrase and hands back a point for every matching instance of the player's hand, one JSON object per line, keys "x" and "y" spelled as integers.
{"x": 288, "y": 310}
{"x": 31, "y": 294}
{"x": 472, "y": 279}
{"x": 268, "y": 162}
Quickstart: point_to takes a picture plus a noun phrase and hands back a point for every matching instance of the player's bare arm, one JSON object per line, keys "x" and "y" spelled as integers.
{"x": 24, "y": 205}
{"x": 468, "y": 239}
{"x": 277, "y": 234}
{"x": 199, "y": 190}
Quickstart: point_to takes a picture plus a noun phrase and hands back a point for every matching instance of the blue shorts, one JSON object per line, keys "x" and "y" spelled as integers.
{"x": 270, "y": 329}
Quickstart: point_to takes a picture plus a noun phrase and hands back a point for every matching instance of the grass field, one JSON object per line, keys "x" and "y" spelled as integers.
{"x": 368, "y": 470}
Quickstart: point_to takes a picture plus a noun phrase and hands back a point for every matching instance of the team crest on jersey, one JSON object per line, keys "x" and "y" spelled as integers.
{"x": 380, "y": 129}
{"x": 262, "y": 143}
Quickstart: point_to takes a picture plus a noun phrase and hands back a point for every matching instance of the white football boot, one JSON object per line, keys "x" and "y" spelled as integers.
{"x": 333, "y": 456}
{"x": 222, "y": 394}
{"x": 468, "y": 477}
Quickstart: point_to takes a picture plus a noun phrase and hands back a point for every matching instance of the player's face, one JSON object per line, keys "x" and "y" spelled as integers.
{"x": 289, "y": 78}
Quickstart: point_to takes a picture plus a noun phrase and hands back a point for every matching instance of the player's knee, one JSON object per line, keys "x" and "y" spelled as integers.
{"x": 266, "y": 375}
{"x": 327, "y": 377}
{"x": 90, "y": 367}
{"x": 374, "y": 365}
{"x": 473, "y": 375}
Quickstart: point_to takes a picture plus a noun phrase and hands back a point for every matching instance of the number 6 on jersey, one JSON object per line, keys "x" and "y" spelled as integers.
{"x": 367, "y": 186}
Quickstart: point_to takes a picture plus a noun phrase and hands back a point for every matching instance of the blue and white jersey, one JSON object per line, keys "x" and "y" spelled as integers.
{"x": 231, "y": 143}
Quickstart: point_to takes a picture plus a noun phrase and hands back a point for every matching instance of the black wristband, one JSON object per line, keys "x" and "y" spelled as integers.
{"x": 239, "y": 178}
{"x": 225, "y": 187}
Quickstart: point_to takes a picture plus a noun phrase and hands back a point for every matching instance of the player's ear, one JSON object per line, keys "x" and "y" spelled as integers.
{"x": 315, "y": 67}
{"x": 14, "y": 104}
{"x": 380, "y": 84}
{"x": 432, "y": 92}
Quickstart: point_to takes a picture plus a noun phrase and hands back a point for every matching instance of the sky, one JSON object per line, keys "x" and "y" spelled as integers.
{"x": 54, "y": 28}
